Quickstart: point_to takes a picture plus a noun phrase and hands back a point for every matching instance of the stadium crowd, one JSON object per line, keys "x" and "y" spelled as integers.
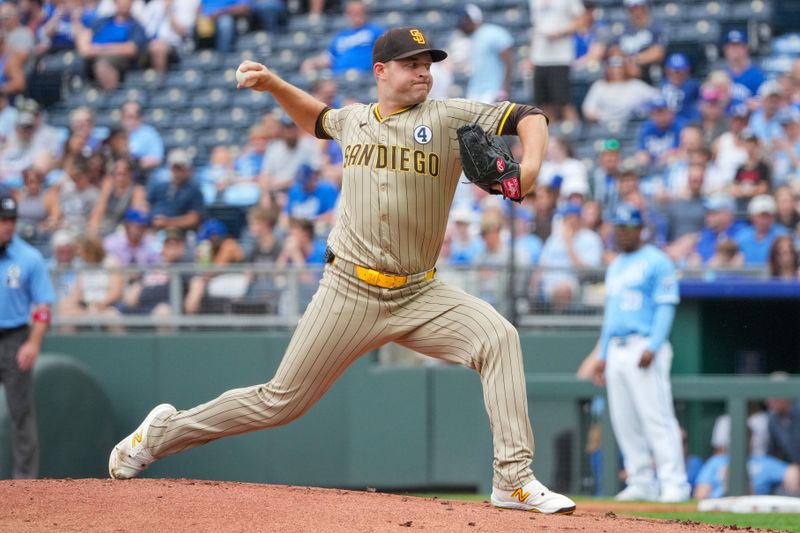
{"x": 714, "y": 163}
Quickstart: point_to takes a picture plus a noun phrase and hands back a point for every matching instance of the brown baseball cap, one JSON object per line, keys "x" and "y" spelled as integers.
{"x": 399, "y": 43}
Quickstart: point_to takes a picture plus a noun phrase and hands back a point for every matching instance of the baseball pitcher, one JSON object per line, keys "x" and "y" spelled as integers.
{"x": 401, "y": 167}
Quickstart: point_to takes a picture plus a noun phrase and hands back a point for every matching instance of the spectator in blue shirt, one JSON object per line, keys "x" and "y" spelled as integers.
{"x": 302, "y": 246}
{"x": 218, "y": 18}
{"x": 746, "y": 76}
{"x": 660, "y": 135}
{"x": 721, "y": 224}
{"x": 311, "y": 198}
{"x": 112, "y": 46}
{"x": 756, "y": 240}
{"x": 64, "y": 19}
{"x": 351, "y": 48}
{"x": 179, "y": 202}
{"x": 144, "y": 143}
{"x": 765, "y": 121}
{"x": 679, "y": 89}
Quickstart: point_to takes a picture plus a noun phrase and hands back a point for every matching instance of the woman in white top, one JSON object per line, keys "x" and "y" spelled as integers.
{"x": 617, "y": 96}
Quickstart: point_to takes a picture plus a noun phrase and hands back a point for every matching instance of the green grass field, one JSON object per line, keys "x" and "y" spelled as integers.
{"x": 773, "y": 521}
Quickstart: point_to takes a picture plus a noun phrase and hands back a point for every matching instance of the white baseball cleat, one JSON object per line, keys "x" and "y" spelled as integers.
{"x": 674, "y": 494}
{"x": 130, "y": 456}
{"x": 533, "y": 497}
{"x": 633, "y": 493}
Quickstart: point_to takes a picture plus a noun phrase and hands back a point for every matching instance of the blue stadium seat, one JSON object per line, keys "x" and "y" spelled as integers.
{"x": 128, "y": 95}
{"x": 177, "y": 138}
{"x": 207, "y": 61}
{"x": 207, "y": 140}
{"x": 174, "y": 97}
{"x": 189, "y": 79}
{"x": 90, "y": 97}
{"x": 234, "y": 118}
{"x": 196, "y": 118}
{"x": 158, "y": 117}
{"x": 753, "y": 11}
{"x": 213, "y": 99}
{"x": 253, "y": 100}
{"x": 144, "y": 79}
{"x": 66, "y": 62}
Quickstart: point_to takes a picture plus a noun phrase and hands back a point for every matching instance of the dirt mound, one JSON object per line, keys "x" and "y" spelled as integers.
{"x": 189, "y": 505}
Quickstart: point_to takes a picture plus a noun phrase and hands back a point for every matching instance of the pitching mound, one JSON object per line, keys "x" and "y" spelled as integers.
{"x": 191, "y": 506}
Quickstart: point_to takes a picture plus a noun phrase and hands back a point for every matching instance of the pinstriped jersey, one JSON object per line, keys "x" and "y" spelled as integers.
{"x": 400, "y": 173}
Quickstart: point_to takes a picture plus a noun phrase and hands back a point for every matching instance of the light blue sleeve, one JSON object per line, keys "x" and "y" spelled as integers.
{"x": 665, "y": 283}
{"x": 662, "y": 325}
{"x": 41, "y": 287}
{"x": 503, "y": 39}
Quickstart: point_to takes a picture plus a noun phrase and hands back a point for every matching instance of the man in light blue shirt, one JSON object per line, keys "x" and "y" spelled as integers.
{"x": 756, "y": 239}
{"x": 491, "y": 56}
{"x": 26, "y": 295}
{"x": 144, "y": 142}
{"x": 635, "y": 361}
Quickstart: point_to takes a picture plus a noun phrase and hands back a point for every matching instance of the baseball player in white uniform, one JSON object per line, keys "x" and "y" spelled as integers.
{"x": 400, "y": 170}
{"x": 635, "y": 361}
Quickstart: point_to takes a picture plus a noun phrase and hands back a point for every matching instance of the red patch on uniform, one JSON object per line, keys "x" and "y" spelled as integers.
{"x": 511, "y": 188}
{"x": 501, "y": 165}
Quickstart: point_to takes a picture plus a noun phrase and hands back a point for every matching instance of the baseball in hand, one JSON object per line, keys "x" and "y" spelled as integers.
{"x": 245, "y": 79}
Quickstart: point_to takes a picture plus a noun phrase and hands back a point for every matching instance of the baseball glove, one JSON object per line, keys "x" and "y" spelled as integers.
{"x": 487, "y": 161}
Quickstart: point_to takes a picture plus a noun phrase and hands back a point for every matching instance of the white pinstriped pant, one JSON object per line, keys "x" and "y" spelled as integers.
{"x": 348, "y": 318}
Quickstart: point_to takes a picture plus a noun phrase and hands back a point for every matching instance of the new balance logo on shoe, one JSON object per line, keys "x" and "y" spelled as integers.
{"x": 137, "y": 439}
{"x": 521, "y": 496}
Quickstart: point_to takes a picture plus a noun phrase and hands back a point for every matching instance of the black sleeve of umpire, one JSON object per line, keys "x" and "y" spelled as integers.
{"x": 518, "y": 113}
{"x": 319, "y": 129}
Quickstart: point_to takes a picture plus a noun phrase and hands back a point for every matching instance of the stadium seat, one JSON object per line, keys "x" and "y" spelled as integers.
{"x": 173, "y": 97}
{"x": 159, "y": 117}
{"x": 177, "y": 138}
{"x": 189, "y": 79}
{"x": 197, "y": 118}
{"x": 206, "y": 61}
{"x": 128, "y": 95}
{"x": 143, "y": 79}
{"x": 253, "y": 100}
{"x": 234, "y": 118}
{"x": 213, "y": 99}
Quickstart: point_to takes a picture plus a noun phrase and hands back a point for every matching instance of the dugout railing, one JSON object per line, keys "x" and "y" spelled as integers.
{"x": 266, "y": 296}
{"x": 733, "y": 391}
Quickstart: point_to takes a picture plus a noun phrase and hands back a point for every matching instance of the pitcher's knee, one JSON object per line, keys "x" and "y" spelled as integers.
{"x": 283, "y": 405}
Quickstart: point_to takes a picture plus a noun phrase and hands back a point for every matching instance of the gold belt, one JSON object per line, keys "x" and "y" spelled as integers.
{"x": 384, "y": 280}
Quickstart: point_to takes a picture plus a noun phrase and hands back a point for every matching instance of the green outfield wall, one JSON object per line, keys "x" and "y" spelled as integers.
{"x": 380, "y": 426}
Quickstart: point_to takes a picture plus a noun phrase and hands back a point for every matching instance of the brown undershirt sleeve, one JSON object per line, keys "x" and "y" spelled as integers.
{"x": 518, "y": 113}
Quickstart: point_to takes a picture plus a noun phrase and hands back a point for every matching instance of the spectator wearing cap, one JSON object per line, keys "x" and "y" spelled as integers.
{"x": 729, "y": 147}
{"x": 491, "y": 56}
{"x": 679, "y": 89}
{"x": 711, "y": 108}
{"x": 552, "y": 53}
{"x": 351, "y": 48}
{"x": 64, "y": 260}
{"x": 311, "y": 198}
{"x": 786, "y": 153}
{"x": 12, "y": 68}
{"x": 283, "y": 159}
{"x": 78, "y": 195}
{"x": 565, "y": 253}
{"x": 118, "y": 193}
{"x": 617, "y": 96}
{"x": 133, "y": 246}
{"x": 465, "y": 245}
{"x": 765, "y": 121}
{"x": 603, "y": 180}
{"x": 178, "y": 202}
{"x": 753, "y": 178}
{"x": 560, "y": 167}
{"x": 643, "y": 41}
{"x": 720, "y": 225}
{"x": 31, "y": 138}
{"x": 756, "y": 239}
{"x": 746, "y": 76}
{"x": 112, "y": 46}
{"x": 144, "y": 142}
{"x": 659, "y": 135}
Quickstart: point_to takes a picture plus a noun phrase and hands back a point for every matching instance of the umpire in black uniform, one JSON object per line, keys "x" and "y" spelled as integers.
{"x": 26, "y": 294}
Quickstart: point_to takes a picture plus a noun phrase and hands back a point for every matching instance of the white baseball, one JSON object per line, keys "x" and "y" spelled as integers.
{"x": 243, "y": 79}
